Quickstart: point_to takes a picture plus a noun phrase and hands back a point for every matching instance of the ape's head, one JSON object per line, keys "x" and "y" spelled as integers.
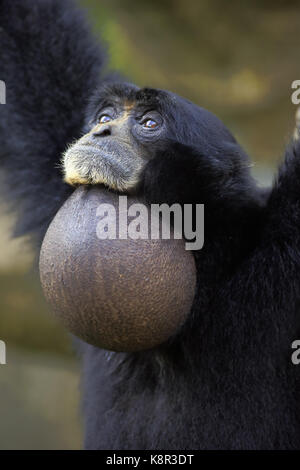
{"x": 127, "y": 127}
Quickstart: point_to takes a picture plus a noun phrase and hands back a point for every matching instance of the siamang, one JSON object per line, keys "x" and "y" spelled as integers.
{"x": 226, "y": 380}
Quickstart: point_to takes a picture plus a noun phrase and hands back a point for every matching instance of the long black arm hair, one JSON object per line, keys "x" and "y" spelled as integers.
{"x": 50, "y": 64}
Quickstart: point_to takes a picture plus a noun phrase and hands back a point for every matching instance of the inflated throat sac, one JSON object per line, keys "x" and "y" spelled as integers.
{"x": 114, "y": 291}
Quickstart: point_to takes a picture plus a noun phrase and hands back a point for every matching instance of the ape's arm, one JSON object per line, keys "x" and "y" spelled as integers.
{"x": 255, "y": 234}
{"x": 49, "y": 64}
{"x": 234, "y": 205}
{"x": 266, "y": 283}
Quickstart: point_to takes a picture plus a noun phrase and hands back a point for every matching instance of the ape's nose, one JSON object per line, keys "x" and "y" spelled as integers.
{"x": 102, "y": 130}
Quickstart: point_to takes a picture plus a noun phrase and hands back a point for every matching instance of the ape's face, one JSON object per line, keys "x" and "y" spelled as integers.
{"x": 124, "y": 132}
{"x": 128, "y": 126}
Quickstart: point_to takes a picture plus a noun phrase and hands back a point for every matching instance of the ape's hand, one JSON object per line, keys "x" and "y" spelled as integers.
{"x": 183, "y": 174}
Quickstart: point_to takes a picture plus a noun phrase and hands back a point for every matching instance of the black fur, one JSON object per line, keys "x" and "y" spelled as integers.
{"x": 226, "y": 381}
{"x": 50, "y": 65}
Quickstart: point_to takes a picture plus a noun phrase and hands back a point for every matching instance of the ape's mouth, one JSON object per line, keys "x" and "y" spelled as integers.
{"x": 90, "y": 165}
{"x": 92, "y": 173}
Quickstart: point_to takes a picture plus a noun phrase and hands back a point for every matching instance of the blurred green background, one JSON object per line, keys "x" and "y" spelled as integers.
{"x": 238, "y": 59}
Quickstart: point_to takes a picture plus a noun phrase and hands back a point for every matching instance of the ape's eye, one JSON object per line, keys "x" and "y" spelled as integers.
{"x": 150, "y": 124}
{"x": 104, "y": 118}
